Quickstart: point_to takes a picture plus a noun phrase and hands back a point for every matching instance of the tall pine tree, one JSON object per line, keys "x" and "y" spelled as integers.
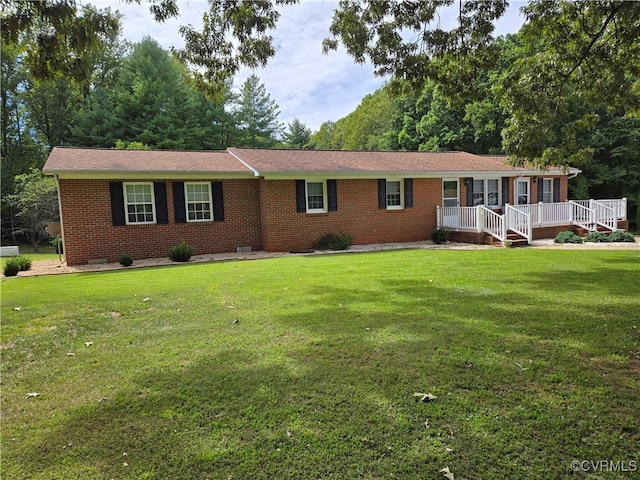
{"x": 256, "y": 116}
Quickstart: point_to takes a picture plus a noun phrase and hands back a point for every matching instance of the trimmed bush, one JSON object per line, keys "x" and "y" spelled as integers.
{"x": 440, "y": 235}
{"x": 334, "y": 241}
{"x": 622, "y": 236}
{"x": 597, "y": 237}
{"x": 126, "y": 260}
{"x": 24, "y": 263}
{"x": 182, "y": 252}
{"x": 12, "y": 267}
{"x": 567, "y": 237}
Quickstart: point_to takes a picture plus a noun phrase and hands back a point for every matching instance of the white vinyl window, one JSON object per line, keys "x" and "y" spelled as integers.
{"x": 394, "y": 194}
{"x": 493, "y": 192}
{"x": 547, "y": 190}
{"x": 316, "y": 197}
{"x": 198, "y": 202}
{"x": 486, "y": 192}
{"x": 478, "y": 192}
{"x": 139, "y": 203}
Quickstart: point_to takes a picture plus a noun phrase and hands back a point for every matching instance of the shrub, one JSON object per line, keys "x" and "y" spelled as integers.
{"x": 597, "y": 237}
{"x": 622, "y": 236}
{"x": 567, "y": 237}
{"x": 182, "y": 252}
{"x": 440, "y": 235}
{"x": 126, "y": 260}
{"x": 334, "y": 241}
{"x": 12, "y": 267}
{"x": 57, "y": 244}
{"x": 24, "y": 263}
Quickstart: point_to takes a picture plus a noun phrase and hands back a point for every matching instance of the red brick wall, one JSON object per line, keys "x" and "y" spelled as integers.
{"x": 89, "y": 233}
{"x": 283, "y": 229}
{"x": 258, "y": 213}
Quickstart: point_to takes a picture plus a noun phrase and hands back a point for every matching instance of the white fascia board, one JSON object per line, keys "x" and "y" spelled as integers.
{"x": 163, "y": 175}
{"x": 399, "y": 174}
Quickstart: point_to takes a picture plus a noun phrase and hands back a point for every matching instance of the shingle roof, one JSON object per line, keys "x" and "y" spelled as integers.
{"x": 245, "y": 162}
{"x": 322, "y": 161}
{"x": 125, "y": 162}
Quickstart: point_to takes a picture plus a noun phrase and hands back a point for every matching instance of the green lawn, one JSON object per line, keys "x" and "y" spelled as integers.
{"x": 46, "y": 252}
{"x": 305, "y": 368}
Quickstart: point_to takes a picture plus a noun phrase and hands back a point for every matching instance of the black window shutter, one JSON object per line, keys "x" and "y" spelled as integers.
{"x": 179, "y": 208}
{"x": 117, "y": 203}
{"x": 382, "y": 193}
{"x": 332, "y": 195}
{"x": 218, "y": 201}
{"x": 540, "y": 189}
{"x": 408, "y": 192}
{"x": 160, "y": 194}
{"x": 469, "y": 183}
{"x": 556, "y": 190}
{"x": 301, "y": 196}
{"x": 506, "y": 181}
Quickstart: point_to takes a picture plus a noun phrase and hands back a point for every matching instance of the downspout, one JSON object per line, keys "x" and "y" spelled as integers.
{"x": 64, "y": 247}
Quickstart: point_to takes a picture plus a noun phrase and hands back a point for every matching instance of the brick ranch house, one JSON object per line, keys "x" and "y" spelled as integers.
{"x": 144, "y": 202}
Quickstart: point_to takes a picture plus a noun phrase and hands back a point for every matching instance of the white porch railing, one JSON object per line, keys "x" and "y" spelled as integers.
{"x": 619, "y": 207}
{"x": 605, "y": 216}
{"x": 492, "y": 223}
{"x": 458, "y": 218}
{"x": 521, "y": 219}
{"x": 582, "y": 215}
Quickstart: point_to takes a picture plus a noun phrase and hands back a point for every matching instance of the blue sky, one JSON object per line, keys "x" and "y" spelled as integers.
{"x": 305, "y": 83}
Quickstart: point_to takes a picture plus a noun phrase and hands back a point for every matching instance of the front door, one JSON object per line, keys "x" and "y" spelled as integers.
{"x": 450, "y": 198}
{"x": 522, "y": 191}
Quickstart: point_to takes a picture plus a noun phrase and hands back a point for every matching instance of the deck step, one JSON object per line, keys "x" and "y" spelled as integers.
{"x": 583, "y": 232}
{"x": 516, "y": 240}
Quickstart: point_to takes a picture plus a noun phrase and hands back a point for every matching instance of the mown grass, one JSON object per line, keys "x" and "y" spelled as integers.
{"x": 46, "y": 252}
{"x": 305, "y": 367}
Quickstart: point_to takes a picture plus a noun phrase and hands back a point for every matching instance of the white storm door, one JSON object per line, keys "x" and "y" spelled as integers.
{"x": 450, "y": 198}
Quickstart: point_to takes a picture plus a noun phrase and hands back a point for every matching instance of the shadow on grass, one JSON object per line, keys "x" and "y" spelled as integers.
{"x": 236, "y": 415}
{"x": 339, "y": 403}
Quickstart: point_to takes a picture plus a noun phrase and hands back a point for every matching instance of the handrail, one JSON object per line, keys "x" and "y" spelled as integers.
{"x": 583, "y": 216}
{"x": 605, "y": 216}
{"x": 519, "y": 222}
{"x": 619, "y": 206}
{"x": 492, "y": 223}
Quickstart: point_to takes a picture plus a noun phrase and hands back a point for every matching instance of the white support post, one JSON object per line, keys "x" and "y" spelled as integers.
{"x": 479, "y": 219}
{"x": 438, "y": 217}
{"x": 507, "y": 221}
{"x": 540, "y": 213}
{"x": 571, "y": 208}
{"x": 624, "y": 203}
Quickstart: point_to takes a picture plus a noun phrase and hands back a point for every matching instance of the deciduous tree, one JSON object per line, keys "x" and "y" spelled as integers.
{"x": 36, "y": 204}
